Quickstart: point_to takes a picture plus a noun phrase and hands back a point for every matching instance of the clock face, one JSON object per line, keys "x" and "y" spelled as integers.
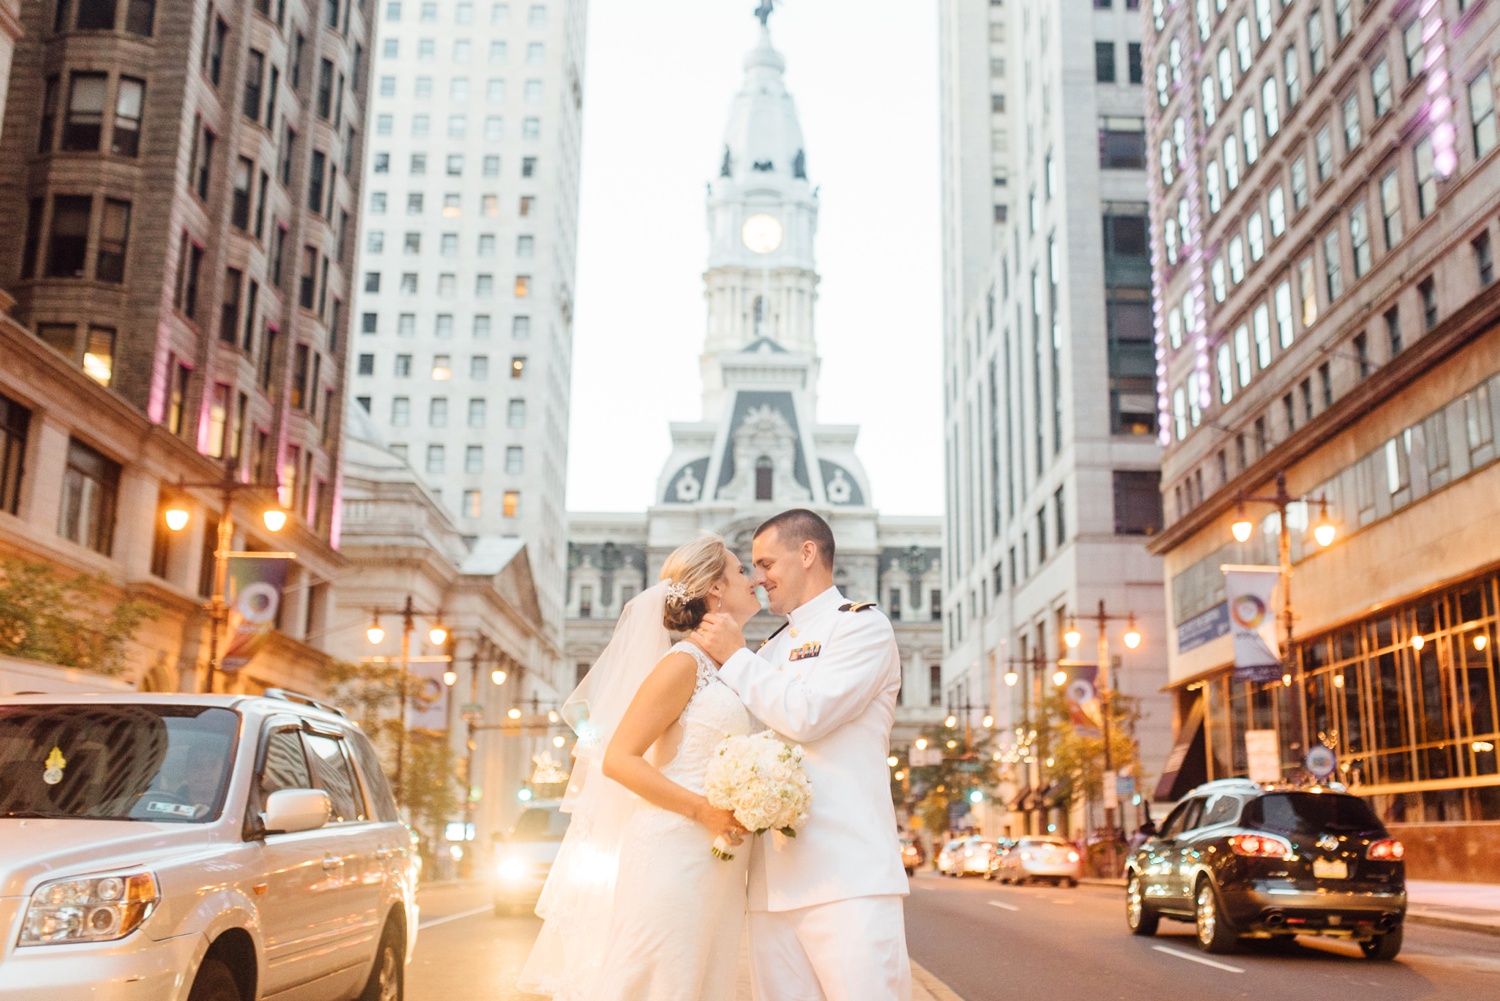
{"x": 761, "y": 233}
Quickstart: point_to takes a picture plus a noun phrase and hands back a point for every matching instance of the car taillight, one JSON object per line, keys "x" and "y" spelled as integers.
{"x": 1025, "y": 856}
{"x": 1386, "y": 850}
{"x": 1259, "y": 846}
{"x": 1072, "y": 856}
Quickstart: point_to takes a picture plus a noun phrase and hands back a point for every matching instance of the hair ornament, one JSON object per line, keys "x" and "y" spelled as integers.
{"x": 677, "y": 593}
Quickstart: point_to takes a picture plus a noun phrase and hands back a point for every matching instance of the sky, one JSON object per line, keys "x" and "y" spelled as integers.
{"x": 660, "y": 76}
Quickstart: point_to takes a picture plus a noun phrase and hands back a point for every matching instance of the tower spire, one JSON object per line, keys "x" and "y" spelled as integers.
{"x": 764, "y": 11}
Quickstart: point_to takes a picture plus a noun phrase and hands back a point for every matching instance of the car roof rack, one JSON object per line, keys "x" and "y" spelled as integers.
{"x": 287, "y": 695}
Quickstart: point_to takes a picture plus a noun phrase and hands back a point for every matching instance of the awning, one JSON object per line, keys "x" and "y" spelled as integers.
{"x": 1054, "y": 795}
{"x": 1018, "y": 801}
{"x": 1187, "y": 765}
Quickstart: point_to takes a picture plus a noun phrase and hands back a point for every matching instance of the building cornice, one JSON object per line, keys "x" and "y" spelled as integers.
{"x": 1480, "y": 314}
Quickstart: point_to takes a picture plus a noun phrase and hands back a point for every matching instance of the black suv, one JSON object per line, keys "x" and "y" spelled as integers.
{"x": 1242, "y": 859}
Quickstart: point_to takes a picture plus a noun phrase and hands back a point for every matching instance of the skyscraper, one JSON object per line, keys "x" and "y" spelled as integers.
{"x": 1049, "y": 420}
{"x": 181, "y": 181}
{"x": 1325, "y": 186}
{"x": 463, "y": 345}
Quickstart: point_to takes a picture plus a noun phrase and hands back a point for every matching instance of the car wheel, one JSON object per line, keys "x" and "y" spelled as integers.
{"x": 214, "y": 982}
{"x": 1383, "y": 947}
{"x": 388, "y": 976}
{"x": 1215, "y": 935}
{"x": 1072, "y": 882}
{"x": 910, "y": 873}
{"x": 1140, "y": 918}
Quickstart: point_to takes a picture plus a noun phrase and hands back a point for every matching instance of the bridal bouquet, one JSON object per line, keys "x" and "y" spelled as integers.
{"x": 760, "y": 779}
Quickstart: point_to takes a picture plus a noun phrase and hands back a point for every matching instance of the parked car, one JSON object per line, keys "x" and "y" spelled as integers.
{"x": 947, "y": 859}
{"x": 911, "y": 855}
{"x": 1239, "y": 859}
{"x": 1039, "y": 858}
{"x": 972, "y": 857}
{"x": 212, "y": 847}
{"x": 524, "y": 857}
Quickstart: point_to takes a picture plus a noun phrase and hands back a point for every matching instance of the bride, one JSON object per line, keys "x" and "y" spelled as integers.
{"x": 637, "y": 908}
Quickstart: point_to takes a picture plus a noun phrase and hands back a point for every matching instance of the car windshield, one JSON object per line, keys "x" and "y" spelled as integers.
{"x": 1311, "y": 813}
{"x": 122, "y": 762}
{"x": 540, "y": 825}
{"x": 1043, "y": 843}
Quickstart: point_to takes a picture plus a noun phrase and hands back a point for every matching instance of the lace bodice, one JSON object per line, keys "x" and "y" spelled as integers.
{"x": 713, "y": 713}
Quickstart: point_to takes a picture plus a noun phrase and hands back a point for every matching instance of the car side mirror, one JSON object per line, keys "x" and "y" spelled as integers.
{"x": 291, "y": 810}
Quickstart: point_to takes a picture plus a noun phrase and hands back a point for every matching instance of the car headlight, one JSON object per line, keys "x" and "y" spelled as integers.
{"x": 511, "y": 869}
{"x": 93, "y": 909}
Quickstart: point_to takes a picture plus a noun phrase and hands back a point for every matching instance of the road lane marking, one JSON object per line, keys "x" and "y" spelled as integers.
{"x": 433, "y": 922}
{"x": 1198, "y": 959}
{"x": 1008, "y": 907}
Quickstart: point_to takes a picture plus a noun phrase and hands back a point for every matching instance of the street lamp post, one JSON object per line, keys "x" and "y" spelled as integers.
{"x": 177, "y": 517}
{"x": 438, "y": 635}
{"x": 1132, "y": 640}
{"x": 1323, "y": 534}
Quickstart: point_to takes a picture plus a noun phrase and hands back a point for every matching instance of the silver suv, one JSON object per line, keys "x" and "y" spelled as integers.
{"x": 198, "y": 848}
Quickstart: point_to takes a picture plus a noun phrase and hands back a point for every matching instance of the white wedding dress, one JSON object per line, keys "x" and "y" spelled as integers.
{"x": 674, "y": 930}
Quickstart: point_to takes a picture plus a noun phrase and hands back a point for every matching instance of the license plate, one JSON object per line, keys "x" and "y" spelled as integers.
{"x": 1332, "y": 868}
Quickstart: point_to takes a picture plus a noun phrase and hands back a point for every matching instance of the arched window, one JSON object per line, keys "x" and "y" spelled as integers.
{"x": 762, "y": 475}
{"x": 759, "y": 315}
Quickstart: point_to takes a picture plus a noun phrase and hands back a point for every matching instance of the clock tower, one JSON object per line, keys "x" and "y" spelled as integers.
{"x": 761, "y": 281}
{"x": 758, "y": 446}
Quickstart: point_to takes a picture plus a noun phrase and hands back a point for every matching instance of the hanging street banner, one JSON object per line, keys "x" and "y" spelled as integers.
{"x": 252, "y": 595}
{"x": 1083, "y": 699}
{"x": 427, "y": 697}
{"x": 1252, "y": 623}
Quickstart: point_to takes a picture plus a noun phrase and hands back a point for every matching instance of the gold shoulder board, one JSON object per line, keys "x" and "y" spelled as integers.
{"x": 856, "y": 606}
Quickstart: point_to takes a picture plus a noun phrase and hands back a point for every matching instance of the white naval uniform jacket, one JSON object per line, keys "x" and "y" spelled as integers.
{"x": 839, "y": 705}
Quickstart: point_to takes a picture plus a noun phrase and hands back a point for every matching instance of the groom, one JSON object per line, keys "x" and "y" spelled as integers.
{"x": 826, "y": 912}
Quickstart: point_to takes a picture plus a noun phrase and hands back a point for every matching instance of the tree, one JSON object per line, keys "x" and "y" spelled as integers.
{"x": 372, "y": 693}
{"x": 69, "y": 621}
{"x": 1078, "y": 756}
{"x": 967, "y": 766}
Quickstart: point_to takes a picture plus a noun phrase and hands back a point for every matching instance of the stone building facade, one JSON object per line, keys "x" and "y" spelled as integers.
{"x": 758, "y": 447}
{"x": 1325, "y": 188}
{"x": 182, "y": 181}
{"x": 401, "y": 542}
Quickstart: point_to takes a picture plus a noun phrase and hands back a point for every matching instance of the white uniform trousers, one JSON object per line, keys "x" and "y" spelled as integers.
{"x": 846, "y": 950}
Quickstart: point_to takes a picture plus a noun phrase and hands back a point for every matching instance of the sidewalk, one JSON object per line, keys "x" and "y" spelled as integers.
{"x": 1463, "y": 906}
{"x": 924, "y": 986}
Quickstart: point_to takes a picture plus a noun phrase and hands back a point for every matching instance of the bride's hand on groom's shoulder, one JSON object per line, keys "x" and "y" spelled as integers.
{"x": 719, "y": 636}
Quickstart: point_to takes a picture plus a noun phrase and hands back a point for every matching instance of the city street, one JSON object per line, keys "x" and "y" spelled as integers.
{"x": 985, "y": 941}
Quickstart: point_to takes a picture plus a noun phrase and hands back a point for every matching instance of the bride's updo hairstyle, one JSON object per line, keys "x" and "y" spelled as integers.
{"x": 693, "y": 568}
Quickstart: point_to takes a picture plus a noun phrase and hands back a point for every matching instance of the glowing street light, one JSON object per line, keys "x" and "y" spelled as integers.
{"x": 1242, "y": 526}
{"x": 1072, "y": 637}
{"x": 375, "y": 634}
{"x": 1132, "y": 634}
{"x": 1011, "y": 677}
{"x": 1324, "y": 530}
{"x": 274, "y": 518}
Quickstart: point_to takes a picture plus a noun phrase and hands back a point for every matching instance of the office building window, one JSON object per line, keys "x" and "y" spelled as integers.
{"x": 91, "y": 485}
